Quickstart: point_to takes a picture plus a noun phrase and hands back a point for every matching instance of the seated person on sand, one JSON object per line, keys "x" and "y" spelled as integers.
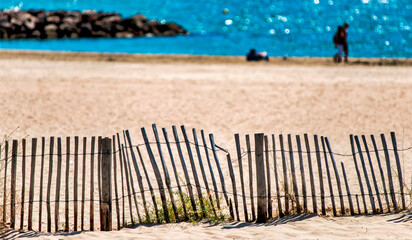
{"x": 256, "y": 56}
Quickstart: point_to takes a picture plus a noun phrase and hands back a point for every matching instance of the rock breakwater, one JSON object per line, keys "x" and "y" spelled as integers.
{"x": 74, "y": 24}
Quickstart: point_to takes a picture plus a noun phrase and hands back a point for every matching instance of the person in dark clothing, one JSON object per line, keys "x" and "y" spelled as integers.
{"x": 256, "y": 56}
{"x": 340, "y": 41}
{"x": 345, "y": 45}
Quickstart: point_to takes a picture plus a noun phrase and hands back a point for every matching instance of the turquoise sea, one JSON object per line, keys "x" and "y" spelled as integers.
{"x": 378, "y": 28}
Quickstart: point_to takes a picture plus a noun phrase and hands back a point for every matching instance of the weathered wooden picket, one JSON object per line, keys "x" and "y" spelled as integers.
{"x": 271, "y": 184}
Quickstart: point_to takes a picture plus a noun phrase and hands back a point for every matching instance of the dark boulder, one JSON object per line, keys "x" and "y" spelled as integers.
{"x": 51, "y": 30}
{"x": 29, "y": 21}
{"x": 5, "y": 29}
{"x": 110, "y": 17}
{"x": 72, "y": 20}
{"x": 36, "y": 34}
{"x": 85, "y": 30}
{"x": 35, "y": 12}
{"x": 136, "y": 23}
{"x": 103, "y": 26}
{"x": 53, "y": 19}
{"x": 88, "y": 16}
{"x": 66, "y": 29}
{"x": 97, "y": 34}
{"x": 124, "y": 34}
{"x": 176, "y": 28}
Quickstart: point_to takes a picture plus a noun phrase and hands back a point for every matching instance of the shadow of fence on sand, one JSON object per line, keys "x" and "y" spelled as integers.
{"x": 404, "y": 218}
{"x": 274, "y": 222}
{"x": 16, "y": 234}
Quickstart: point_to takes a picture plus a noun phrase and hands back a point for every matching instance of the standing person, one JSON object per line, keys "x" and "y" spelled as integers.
{"x": 345, "y": 44}
{"x": 340, "y": 41}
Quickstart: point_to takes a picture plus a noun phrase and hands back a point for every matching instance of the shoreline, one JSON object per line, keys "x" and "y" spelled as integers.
{"x": 193, "y": 59}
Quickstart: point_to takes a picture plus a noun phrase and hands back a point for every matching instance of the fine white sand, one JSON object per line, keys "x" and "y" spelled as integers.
{"x": 90, "y": 95}
{"x": 396, "y": 226}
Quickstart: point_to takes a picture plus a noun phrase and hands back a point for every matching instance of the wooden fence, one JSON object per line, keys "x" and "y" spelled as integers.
{"x": 106, "y": 183}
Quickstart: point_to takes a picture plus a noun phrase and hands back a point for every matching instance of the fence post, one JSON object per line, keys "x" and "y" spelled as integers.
{"x": 32, "y": 172}
{"x": 312, "y": 181}
{"x": 6, "y": 153}
{"x": 49, "y": 182}
{"x": 292, "y": 168}
{"x": 322, "y": 190}
{"x": 352, "y": 145}
{"x": 260, "y": 179}
{"x": 302, "y": 174}
{"x": 249, "y": 163}
{"x": 23, "y": 185}
{"x": 381, "y": 172}
{"x": 388, "y": 168}
{"x": 106, "y": 159}
{"x": 398, "y": 165}
{"x": 269, "y": 194}
{"x": 275, "y": 168}
{"x": 332, "y": 197}
{"x": 352, "y": 212}
{"x": 285, "y": 175}
{"x": 13, "y": 184}
{"x": 242, "y": 183}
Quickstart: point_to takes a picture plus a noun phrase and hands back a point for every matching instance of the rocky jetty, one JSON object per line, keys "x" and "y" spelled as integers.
{"x": 91, "y": 24}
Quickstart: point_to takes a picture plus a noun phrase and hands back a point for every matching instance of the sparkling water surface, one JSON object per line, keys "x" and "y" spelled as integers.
{"x": 378, "y": 28}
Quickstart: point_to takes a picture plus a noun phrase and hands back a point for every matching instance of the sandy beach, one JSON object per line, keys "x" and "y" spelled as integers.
{"x": 87, "y": 94}
{"x": 396, "y": 226}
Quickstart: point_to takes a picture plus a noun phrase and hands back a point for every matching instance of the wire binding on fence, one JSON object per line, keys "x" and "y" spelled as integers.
{"x": 118, "y": 150}
{"x": 204, "y": 188}
{"x": 244, "y": 152}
